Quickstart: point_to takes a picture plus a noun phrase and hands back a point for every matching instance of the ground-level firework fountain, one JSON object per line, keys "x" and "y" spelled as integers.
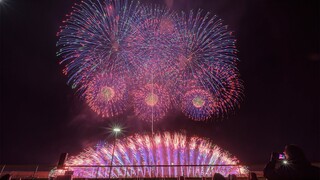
{"x": 159, "y": 155}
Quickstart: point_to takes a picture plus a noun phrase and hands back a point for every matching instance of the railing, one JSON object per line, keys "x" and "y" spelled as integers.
{"x": 151, "y": 171}
{"x": 123, "y": 171}
{"x": 26, "y": 171}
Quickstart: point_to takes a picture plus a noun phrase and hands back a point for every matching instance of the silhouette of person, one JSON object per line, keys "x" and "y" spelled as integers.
{"x": 218, "y": 176}
{"x": 232, "y": 177}
{"x": 295, "y": 166}
{"x": 253, "y": 176}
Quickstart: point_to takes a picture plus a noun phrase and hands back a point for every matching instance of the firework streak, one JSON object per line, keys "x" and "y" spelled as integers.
{"x": 160, "y": 155}
{"x": 122, "y": 55}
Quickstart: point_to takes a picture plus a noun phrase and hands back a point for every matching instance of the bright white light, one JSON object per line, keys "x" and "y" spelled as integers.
{"x": 114, "y": 129}
{"x": 285, "y": 162}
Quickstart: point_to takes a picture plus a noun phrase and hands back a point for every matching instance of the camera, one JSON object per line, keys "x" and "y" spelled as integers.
{"x": 275, "y": 156}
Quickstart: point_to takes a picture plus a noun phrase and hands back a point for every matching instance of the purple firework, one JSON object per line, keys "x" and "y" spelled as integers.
{"x": 198, "y": 104}
{"x": 92, "y": 39}
{"x": 208, "y": 58}
{"x": 154, "y": 41}
{"x": 160, "y": 155}
{"x": 106, "y": 94}
{"x": 149, "y": 44}
{"x": 151, "y": 102}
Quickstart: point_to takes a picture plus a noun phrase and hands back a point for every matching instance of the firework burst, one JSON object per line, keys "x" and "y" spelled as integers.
{"x": 155, "y": 40}
{"x": 198, "y": 104}
{"x": 149, "y": 44}
{"x": 107, "y": 95}
{"x": 229, "y": 96}
{"x": 172, "y": 154}
{"x": 151, "y": 102}
{"x": 91, "y": 39}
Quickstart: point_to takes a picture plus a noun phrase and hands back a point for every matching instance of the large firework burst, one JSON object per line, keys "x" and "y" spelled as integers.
{"x": 91, "y": 39}
{"x": 150, "y": 44}
{"x": 160, "y": 155}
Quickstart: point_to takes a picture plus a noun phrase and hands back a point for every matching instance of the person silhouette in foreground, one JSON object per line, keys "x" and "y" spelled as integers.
{"x": 295, "y": 166}
{"x": 252, "y": 176}
{"x": 218, "y": 176}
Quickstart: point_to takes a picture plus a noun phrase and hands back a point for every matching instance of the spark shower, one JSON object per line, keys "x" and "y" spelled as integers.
{"x": 135, "y": 155}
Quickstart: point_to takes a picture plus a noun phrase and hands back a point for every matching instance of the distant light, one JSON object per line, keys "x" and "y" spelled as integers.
{"x": 285, "y": 162}
{"x": 114, "y": 129}
{"x": 3, "y": 2}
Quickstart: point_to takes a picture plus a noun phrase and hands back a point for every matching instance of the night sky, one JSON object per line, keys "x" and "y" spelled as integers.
{"x": 278, "y": 45}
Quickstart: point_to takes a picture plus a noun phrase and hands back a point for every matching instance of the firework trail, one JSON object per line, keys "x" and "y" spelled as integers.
{"x": 159, "y": 51}
{"x": 167, "y": 149}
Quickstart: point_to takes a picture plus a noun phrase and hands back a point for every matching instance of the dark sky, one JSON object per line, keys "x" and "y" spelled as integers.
{"x": 278, "y": 44}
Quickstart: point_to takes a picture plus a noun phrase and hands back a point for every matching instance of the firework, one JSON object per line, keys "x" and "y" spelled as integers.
{"x": 229, "y": 96}
{"x": 151, "y": 102}
{"x": 154, "y": 41}
{"x": 208, "y": 58}
{"x": 160, "y": 155}
{"x": 198, "y": 104}
{"x": 107, "y": 95}
{"x": 159, "y": 51}
{"x": 92, "y": 37}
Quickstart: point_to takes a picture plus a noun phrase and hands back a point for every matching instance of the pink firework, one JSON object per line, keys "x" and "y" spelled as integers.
{"x": 151, "y": 46}
{"x": 154, "y": 42}
{"x": 159, "y": 155}
{"x": 151, "y": 102}
{"x": 106, "y": 94}
{"x": 229, "y": 95}
{"x": 198, "y": 104}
